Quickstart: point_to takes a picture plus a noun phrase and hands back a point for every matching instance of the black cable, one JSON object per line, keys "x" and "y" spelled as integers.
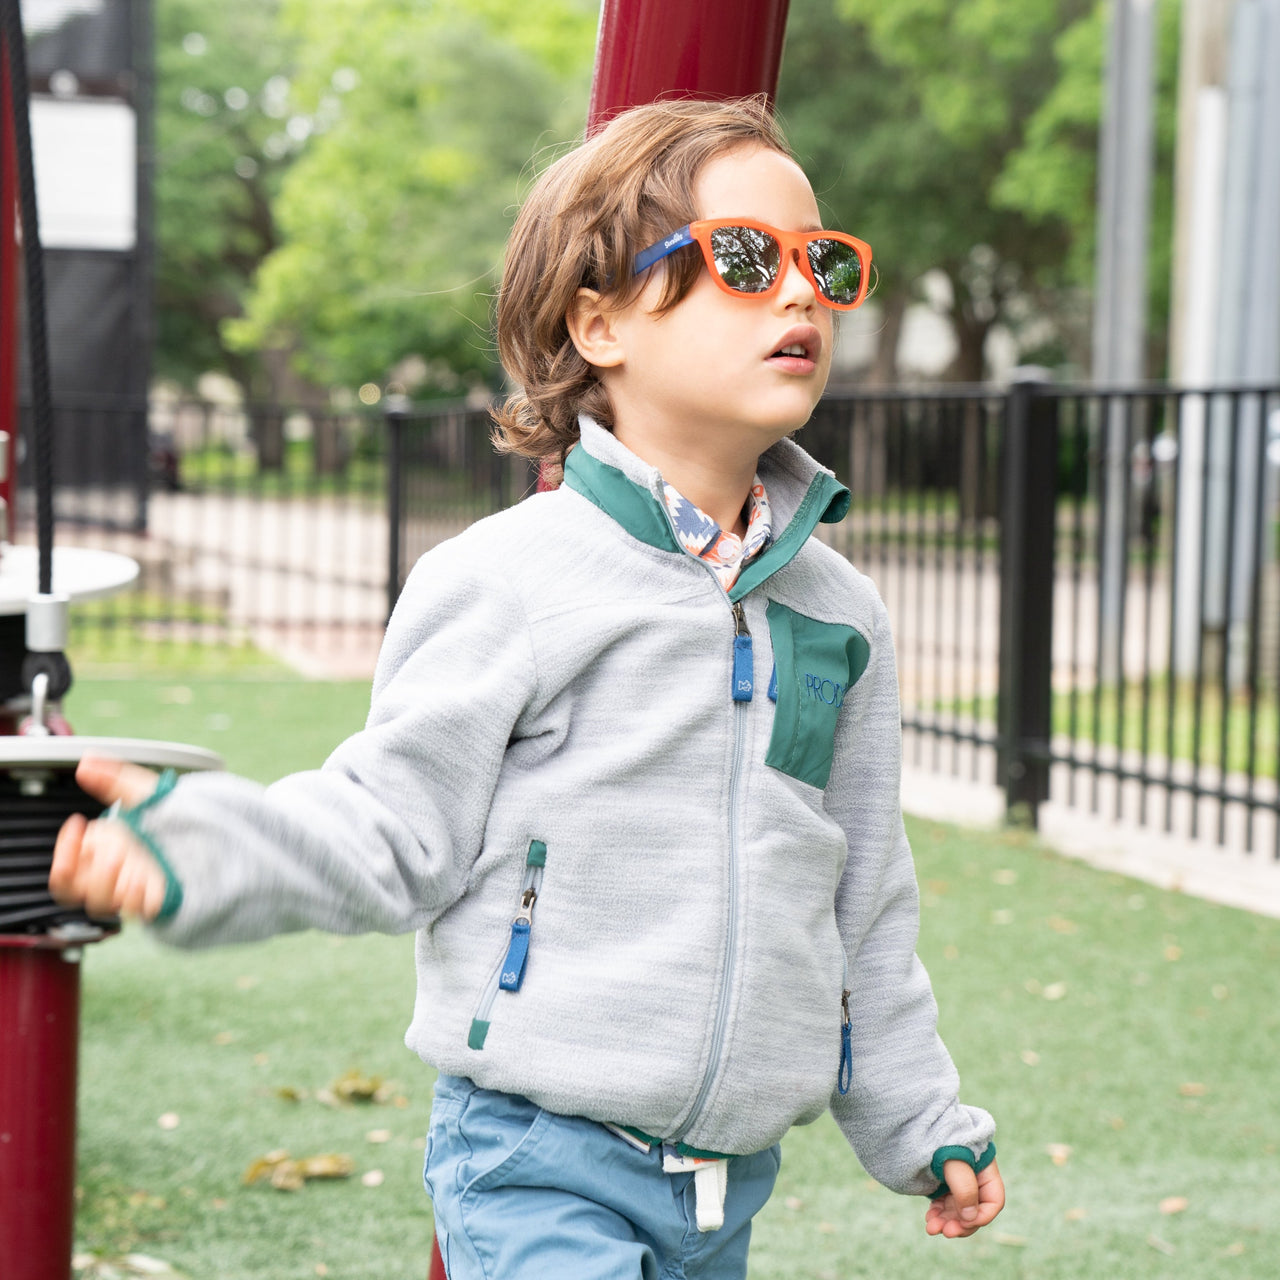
{"x": 33, "y": 261}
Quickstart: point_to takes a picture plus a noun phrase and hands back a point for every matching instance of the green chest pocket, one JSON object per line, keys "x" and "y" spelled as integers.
{"x": 817, "y": 663}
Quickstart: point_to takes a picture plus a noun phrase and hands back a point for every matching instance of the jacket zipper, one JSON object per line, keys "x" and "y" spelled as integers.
{"x": 742, "y": 687}
{"x": 508, "y": 975}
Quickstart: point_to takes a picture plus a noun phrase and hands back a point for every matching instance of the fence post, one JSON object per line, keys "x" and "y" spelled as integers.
{"x": 1028, "y": 490}
{"x": 395, "y": 411}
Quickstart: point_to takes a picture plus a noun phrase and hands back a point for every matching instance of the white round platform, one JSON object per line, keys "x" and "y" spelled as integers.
{"x": 47, "y": 751}
{"x": 78, "y": 572}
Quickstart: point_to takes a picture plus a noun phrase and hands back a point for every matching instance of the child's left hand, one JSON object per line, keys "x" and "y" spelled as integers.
{"x": 972, "y": 1201}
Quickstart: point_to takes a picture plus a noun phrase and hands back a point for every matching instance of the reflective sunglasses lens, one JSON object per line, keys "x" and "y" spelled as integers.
{"x": 837, "y": 269}
{"x": 746, "y": 259}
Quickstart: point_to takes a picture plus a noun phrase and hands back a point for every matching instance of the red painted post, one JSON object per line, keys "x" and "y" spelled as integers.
{"x": 39, "y": 1047}
{"x": 650, "y": 48}
{"x": 711, "y": 49}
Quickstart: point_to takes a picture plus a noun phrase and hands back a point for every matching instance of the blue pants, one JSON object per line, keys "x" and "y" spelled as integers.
{"x": 522, "y": 1194}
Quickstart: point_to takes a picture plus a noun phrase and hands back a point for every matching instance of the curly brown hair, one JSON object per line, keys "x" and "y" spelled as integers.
{"x": 582, "y": 225}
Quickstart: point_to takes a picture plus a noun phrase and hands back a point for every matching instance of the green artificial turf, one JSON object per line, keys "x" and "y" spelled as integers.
{"x": 1124, "y": 1037}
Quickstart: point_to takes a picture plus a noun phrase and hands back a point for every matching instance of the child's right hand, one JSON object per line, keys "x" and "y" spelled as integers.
{"x": 102, "y": 866}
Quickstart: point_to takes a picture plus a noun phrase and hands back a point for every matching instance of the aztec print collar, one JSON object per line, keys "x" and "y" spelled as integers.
{"x": 724, "y": 551}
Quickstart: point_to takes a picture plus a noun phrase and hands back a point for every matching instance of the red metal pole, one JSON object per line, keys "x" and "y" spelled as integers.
{"x": 39, "y": 1048}
{"x": 709, "y": 49}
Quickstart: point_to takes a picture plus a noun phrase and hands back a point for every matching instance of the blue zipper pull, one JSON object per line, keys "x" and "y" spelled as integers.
{"x": 518, "y": 949}
{"x": 743, "y": 665}
{"x": 845, "y": 1077}
{"x": 773, "y": 683}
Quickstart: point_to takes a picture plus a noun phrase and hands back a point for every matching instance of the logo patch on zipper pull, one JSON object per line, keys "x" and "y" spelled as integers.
{"x": 743, "y": 675}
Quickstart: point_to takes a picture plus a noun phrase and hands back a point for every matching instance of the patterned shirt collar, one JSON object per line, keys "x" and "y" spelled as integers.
{"x": 724, "y": 551}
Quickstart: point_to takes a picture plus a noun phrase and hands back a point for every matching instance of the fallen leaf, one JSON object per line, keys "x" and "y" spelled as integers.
{"x": 1234, "y": 1250}
{"x": 225, "y": 1037}
{"x": 1002, "y": 916}
{"x": 1219, "y": 992}
{"x": 354, "y": 1086}
{"x": 373, "y": 1178}
{"x": 288, "y": 1093}
{"x": 378, "y": 1135}
{"x": 1055, "y": 991}
{"x": 827, "y": 1228}
{"x": 1076, "y": 1215}
{"x": 169, "y": 1120}
{"x": 261, "y": 1059}
{"x": 247, "y": 982}
{"x": 951, "y": 952}
{"x": 1193, "y": 1090}
{"x": 794, "y": 1203}
{"x": 1006, "y": 876}
{"x": 218, "y": 1203}
{"x": 327, "y": 1166}
{"x": 1015, "y": 1242}
{"x": 1033, "y": 987}
{"x": 286, "y": 1174}
{"x": 1059, "y": 1153}
{"x": 1173, "y": 1204}
{"x": 1116, "y": 1122}
{"x": 940, "y": 887}
{"x": 1059, "y": 924}
{"x": 1162, "y": 1245}
{"x": 1030, "y": 1057}
{"x": 1173, "y": 953}
{"x": 321, "y": 1269}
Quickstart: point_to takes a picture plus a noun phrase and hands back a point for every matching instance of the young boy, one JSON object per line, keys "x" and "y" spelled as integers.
{"x": 631, "y": 769}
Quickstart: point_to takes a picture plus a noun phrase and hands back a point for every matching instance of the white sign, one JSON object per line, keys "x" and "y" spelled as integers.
{"x": 85, "y": 153}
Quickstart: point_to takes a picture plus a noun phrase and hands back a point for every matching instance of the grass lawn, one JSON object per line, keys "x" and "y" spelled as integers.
{"x": 1124, "y": 1037}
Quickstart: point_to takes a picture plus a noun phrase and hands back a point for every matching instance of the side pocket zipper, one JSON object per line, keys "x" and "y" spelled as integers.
{"x": 845, "y": 1078}
{"x": 509, "y": 973}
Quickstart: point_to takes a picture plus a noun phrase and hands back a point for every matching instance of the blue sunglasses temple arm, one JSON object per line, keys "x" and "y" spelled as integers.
{"x": 656, "y": 252}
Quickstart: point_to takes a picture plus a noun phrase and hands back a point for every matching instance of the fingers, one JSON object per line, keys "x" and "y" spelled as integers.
{"x": 66, "y": 859}
{"x": 972, "y": 1201}
{"x": 110, "y": 780}
{"x": 101, "y": 867}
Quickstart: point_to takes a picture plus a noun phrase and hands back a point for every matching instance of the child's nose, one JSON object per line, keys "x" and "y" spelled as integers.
{"x": 795, "y": 288}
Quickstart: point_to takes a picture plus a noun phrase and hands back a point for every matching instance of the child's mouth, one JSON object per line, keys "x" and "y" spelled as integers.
{"x": 798, "y": 351}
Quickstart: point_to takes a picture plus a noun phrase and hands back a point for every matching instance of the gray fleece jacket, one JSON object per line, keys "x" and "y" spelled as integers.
{"x": 648, "y": 834}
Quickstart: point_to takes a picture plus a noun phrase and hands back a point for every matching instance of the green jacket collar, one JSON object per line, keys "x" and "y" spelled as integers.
{"x": 626, "y": 488}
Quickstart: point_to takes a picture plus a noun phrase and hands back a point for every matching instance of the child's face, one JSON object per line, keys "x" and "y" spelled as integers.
{"x": 710, "y": 365}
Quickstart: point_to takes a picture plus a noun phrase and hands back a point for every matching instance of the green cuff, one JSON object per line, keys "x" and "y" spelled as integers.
{"x": 132, "y": 819}
{"x": 943, "y": 1154}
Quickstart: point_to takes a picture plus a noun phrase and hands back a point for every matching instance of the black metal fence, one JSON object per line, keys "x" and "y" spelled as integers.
{"x": 1084, "y": 584}
{"x": 1085, "y": 589}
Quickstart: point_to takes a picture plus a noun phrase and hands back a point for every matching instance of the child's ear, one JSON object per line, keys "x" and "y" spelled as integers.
{"x": 593, "y": 331}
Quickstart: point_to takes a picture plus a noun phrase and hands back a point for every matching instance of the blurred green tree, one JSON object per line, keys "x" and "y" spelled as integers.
{"x": 222, "y": 84}
{"x": 1052, "y": 177}
{"x": 906, "y": 115}
{"x": 419, "y": 120}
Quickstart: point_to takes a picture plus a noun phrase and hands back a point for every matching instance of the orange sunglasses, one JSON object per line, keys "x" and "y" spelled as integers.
{"x": 745, "y": 258}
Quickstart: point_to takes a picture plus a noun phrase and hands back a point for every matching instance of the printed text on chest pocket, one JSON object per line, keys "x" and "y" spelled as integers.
{"x": 817, "y": 663}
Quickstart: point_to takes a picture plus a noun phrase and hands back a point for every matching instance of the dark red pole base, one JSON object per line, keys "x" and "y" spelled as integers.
{"x": 437, "y": 1263}
{"x": 39, "y": 1047}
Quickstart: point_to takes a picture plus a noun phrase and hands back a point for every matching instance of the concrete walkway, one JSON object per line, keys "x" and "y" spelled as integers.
{"x": 1225, "y": 875}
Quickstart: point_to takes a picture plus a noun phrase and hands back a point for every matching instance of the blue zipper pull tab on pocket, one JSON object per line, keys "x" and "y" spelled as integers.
{"x": 773, "y": 683}
{"x": 518, "y": 948}
{"x": 743, "y": 664}
{"x": 845, "y": 1077}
